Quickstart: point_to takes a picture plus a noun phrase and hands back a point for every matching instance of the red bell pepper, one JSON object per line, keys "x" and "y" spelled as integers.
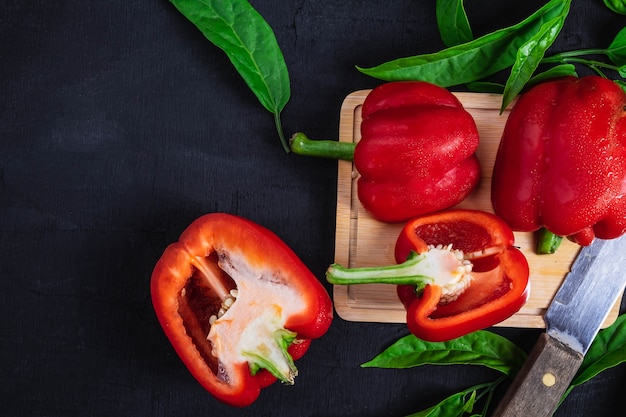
{"x": 416, "y": 154}
{"x": 561, "y": 164}
{"x": 237, "y": 305}
{"x": 457, "y": 272}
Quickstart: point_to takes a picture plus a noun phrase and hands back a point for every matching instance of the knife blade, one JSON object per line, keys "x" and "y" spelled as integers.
{"x": 580, "y": 306}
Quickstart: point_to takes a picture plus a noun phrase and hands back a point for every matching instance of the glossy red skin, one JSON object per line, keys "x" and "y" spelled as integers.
{"x": 231, "y": 234}
{"x": 498, "y": 291}
{"x": 561, "y": 163}
{"x": 416, "y": 152}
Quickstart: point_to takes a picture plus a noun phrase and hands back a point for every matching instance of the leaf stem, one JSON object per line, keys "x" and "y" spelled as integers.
{"x": 491, "y": 388}
{"x": 281, "y": 132}
{"x": 576, "y": 53}
{"x": 573, "y": 59}
{"x": 482, "y": 390}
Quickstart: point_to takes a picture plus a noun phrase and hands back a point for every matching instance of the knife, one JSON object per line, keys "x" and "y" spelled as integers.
{"x": 580, "y": 306}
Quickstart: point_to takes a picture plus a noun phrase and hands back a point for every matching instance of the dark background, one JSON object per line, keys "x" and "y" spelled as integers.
{"x": 120, "y": 124}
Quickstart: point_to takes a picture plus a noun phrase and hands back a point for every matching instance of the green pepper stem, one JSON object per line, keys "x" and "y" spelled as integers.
{"x": 547, "y": 242}
{"x": 300, "y": 144}
{"x": 280, "y": 363}
{"x": 439, "y": 266}
{"x": 409, "y": 272}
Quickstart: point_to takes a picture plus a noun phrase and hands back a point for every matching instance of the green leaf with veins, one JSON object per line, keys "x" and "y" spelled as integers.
{"x": 617, "y": 49}
{"x": 478, "y": 348}
{"x": 473, "y": 60}
{"x": 558, "y": 71}
{"x": 240, "y": 31}
{"x": 453, "y": 406}
{"x": 530, "y": 54}
{"x": 607, "y": 350}
{"x": 454, "y": 27}
{"x": 618, "y": 6}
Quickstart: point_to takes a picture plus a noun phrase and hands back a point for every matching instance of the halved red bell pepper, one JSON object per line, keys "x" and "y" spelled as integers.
{"x": 416, "y": 153}
{"x": 237, "y": 305}
{"x": 457, "y": 272}
{"x": 561, "y": 164}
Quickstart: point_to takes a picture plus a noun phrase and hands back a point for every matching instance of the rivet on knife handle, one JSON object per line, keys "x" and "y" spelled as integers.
{"x": 547, "y": 373}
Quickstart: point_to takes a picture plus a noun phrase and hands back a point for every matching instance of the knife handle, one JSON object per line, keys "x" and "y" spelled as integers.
{"x": 542, "y": 380}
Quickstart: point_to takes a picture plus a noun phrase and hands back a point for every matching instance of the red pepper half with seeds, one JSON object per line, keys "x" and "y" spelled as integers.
{"x": 237, "y": 305}
{"x": 416, "y": 154}
{"x": 457, "y": 272}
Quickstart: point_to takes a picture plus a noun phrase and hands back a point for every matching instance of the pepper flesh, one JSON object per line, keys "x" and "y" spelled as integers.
{"x": 499, "y": 275}
{"x": 561, "y": 164}
{"x": 417, "y": 150}
{"x": 279, "y": 306}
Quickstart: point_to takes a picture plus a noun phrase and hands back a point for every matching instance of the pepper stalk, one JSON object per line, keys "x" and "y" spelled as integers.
{"x": 547, "y": 242}
{"x": 300, "y": 144}
{"x": 439, "y": 266}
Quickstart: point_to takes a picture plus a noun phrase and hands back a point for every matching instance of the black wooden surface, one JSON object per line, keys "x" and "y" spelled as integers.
{"x": 120, "y": 124}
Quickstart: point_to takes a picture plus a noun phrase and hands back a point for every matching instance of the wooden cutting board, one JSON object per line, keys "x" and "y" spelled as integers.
{"x": 362, "y": 241}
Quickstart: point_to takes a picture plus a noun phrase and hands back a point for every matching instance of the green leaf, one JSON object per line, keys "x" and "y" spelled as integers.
{"x": 621, "y": 84}
{"x": 454, "y": 27}
{"x": 607, "y": 350}
{"x": 454, "y": 406}
{"x": 472, "y": 60}
{"x": 530, "y": 54}
{"x": 618, "y": 6}
{"x": 558, "y": 71}
{"x": 617, "y": 49}
{"x": 478, "y": 348}
{"x": 551, "y": 73}
{"x": 616, "y": 52}
{"x": 240, "y": 31}
{"x": 485, "y": 87}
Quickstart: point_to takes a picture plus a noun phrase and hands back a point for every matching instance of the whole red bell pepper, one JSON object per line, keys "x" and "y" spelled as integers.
{"x": 561, "y": 164}
{"x": 457, "y": 272}
{"x": 237, "y": 305}
{"x": 416, "y": 153}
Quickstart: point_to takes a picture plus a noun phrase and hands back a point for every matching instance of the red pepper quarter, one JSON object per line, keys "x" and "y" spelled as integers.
{"x": 271, "y": 306}
{"x": 561, "y": 164}
{"x": 442, "y": 301}
{"x": 500, "y": 283}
